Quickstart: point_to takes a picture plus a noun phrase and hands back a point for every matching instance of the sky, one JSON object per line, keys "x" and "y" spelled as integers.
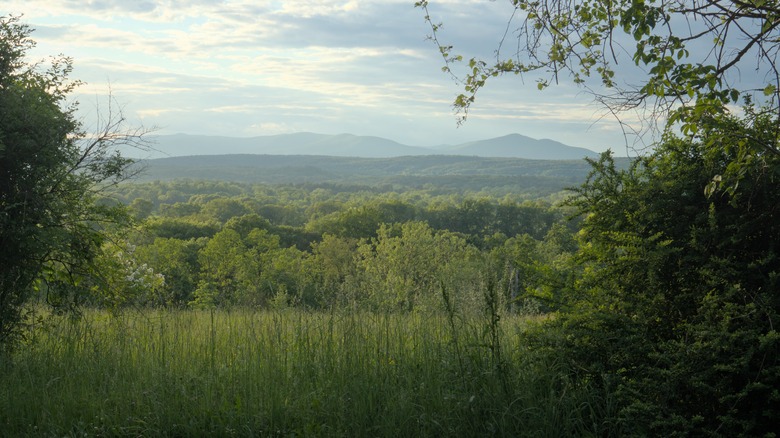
{"x": 248, "y": 68}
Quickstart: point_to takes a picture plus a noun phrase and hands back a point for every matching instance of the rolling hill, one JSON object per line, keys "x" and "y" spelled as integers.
{"x": 348, "y": 145}
{"x": 437, "y": 173}
{"x": 520, "y": 146}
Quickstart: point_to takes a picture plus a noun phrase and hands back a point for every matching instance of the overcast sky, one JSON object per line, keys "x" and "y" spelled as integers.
{"x": 247, "y": 68}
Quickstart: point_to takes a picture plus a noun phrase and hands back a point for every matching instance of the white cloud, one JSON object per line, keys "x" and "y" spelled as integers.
{"x": 246, "y": 66}
{"x": 270, "y": 128}
{"x": 154, "y": 113}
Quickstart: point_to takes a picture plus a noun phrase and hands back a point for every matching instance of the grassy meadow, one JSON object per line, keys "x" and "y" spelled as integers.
{"x": 285, "y": 373}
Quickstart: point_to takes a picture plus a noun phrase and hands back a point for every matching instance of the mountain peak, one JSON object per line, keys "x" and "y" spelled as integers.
{"x": 520, "y": 146}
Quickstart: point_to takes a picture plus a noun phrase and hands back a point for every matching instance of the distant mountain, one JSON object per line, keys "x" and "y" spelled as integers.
{"x": 302, "y": 143}
{"x": 348, "y": 145}
{"x": 520, "y": 146}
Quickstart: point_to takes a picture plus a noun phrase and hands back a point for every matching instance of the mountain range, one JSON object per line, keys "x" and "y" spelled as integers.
{"x": 348, "y": 145}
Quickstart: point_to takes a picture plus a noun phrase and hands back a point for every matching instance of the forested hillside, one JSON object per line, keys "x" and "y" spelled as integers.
{"x": 444, "y": 174}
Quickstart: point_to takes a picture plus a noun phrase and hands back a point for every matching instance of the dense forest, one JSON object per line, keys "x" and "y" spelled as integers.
{"x": 222, "y": 243}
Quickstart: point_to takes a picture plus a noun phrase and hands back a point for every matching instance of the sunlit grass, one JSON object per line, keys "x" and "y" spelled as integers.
{"x": 285, "y": 372}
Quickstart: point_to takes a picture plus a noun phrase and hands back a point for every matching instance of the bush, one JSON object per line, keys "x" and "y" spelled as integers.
{"x": 678, "y": 304}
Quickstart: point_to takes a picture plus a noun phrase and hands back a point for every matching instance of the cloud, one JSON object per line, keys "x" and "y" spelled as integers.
{"x": 155, "y": 113}
{"x": 270, "y": 128}
{"x": 233, "y": 67}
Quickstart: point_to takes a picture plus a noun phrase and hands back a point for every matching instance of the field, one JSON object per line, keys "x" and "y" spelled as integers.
{"x": 285, "y": 373}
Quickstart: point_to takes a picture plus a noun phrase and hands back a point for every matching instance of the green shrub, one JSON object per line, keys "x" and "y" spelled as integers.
{"x": 677, "y": 308}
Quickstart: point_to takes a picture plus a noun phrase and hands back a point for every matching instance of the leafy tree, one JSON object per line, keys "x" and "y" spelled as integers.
{"x": 473, "y": 216}
{"x": 223, "y": 267}
{"x": 249, "y": 270}
{"x": 281, "y": 214}
{"x": 482, "y": 218}
{"x": 121, "y": 279}
{"x": 323, "y": 208}
{"x": 141, "y": 208}
{"x": 677, "y": 309}
{"x": 247, "y": 223}
{"x": 296, "y": 237}
{"x": 332, "y": 264}
{"x": 222, "y": 209}
{"x": 285, "y": 280}
{"x": 177, "y": 261}
{"x": 520, "y": 272}
{"x": 536, "y": 275}
{"x": 179, "y": 209}
{"x": 355, "y": 222}
{"x": 675, "y": 312}
{"x": 681, "y": 59}
{"x": 51, "y": 172}
{"x": 405, "y": 265}
{"x": 396, "y": 211}
{"x": 180, "y": 228}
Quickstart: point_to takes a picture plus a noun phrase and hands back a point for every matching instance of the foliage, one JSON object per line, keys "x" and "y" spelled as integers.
{"x": 121, "y": 279}
{"x": 248, "y": 269}
{"x": 537, "y": 276}
{"x": 51, "y": 172}
{"x": 177, "y": 261}
{"x": 224, "y": 266}
{"x": 689, "y": 53}
{"x": 335, "y": 256}
{"x": 180, "y": 228}
{"x": 405, "y": 266}
{"x": 333, "y": 266}
{"x": 676, "y": 308}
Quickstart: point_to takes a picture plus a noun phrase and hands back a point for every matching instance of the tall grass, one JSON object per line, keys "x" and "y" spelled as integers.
{"x": 286, "y": 372}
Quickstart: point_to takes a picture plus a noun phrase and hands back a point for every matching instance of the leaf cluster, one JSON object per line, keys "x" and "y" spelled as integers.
{"x": 689, "y": 55}
{"x": 675, "y": 313}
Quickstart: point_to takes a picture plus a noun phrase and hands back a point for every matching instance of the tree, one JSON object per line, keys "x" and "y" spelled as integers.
{"x": 354, "y": 222}
{"x": 405, "y": 266}
{"x": 536, "y": 275}
{"x": 141, "y": 208}
{"x": 222, "y": 209}
{"x": 332, "y": 264}
{"x": 677, "y": 307}
{"x": 177, "y": 261}
{"x": 51, "y": 172}
{"x": 689, "y": 55}
{"x": 122, "y": 280}
{"x": 223, "y": 262}
{"x": 180, "y": 228}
